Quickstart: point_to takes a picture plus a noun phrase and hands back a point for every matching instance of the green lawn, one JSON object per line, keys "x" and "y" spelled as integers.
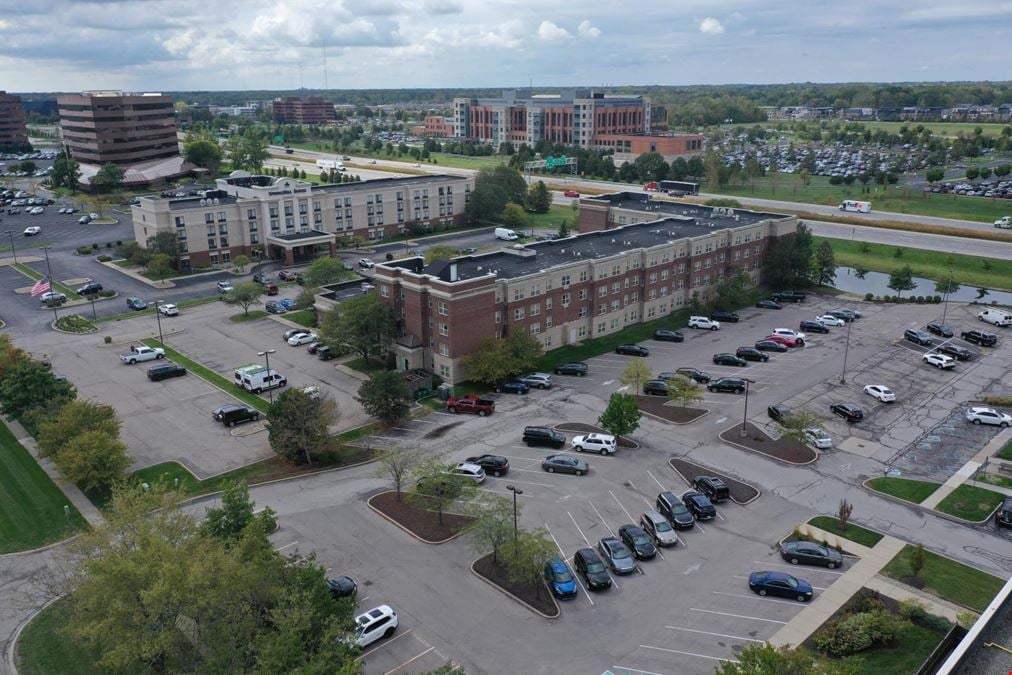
{"x": 57, "y": 286}
{"x": 1006, "y": 452}
{"x": 31, "y": 506}
{"x": 966, "y": 270}
{"x": 855, "y": 533}
{"x": 303, "y": 317}
{"x": 948, "y": 579}
{"x": 466, "y": 162}
{"x": 212, "y": 377}
{"x": 362, "y": 366}
{"x": 151, "y": 309}
{"x": 43, "y": 649}
{"x": 913, "y": 645}
{"x": 252, "y": 315}
{"x": 995, "y": 479}
{"x": 915, "y": 491}
{"x": 556, "y": 214}
{"x": 970, "y": 502}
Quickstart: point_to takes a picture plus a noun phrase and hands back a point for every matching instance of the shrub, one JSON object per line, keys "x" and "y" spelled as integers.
{"x": 106, "y": 293}
{"x": 108, "y": 244}
{"x": 938, "y": 299}
{"x": 858, "y": 632}
{"x": 75, "y": 323}
{"x": 104, "y": 258}
{"x": 913, "y": 609}
{"x": 108, "y": 339}
{"x": 868, "y": 297}
{"x": 935, "y": 622}
{"x": 866, "y": 600}
{"x": 84, "y": 250}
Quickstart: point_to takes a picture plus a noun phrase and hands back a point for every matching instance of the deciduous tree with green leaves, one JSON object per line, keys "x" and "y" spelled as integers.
{"x": 159, "y": 265}
{"x": 513, "y": 216}
{"x": 66, "y": 172}
{"x": 93, "y": 459}
{"x": 109, "y": 178}
{"x": 825, "y": 264}
{"x": 166, "y": 243}
{"x": 684, "y": 390}
{"x": 324, "y": 271}
{"x": 228, "y": 521}
{"x": 364, "y": 324}
{"x": 437, "y": 488}
{"x": 496, "y": 360}
{"x": 794, "y": 423}
{"x": 73, "y": 418}
{"x": 204, "y": 153}
{"x": 241, "y": 262}
{"x": 493, "y": 525}
{"x": 734, "y": 290}
{"x": 28, "y": 385}
{"x": 902, "y": 280}
{"x": 440, "y": 252}
{"x": 297, "y": 424}
{"x": 635, "y": 373}
{"x": 398, "y": 463}
{"x": 765, "y": 659}
{"x": 244, "y": 295}
{"x": 385, "y": 396}
{"x": 622, "y": 416}
{"x": 539, "y": 199}
{"x": 525, "y": 556}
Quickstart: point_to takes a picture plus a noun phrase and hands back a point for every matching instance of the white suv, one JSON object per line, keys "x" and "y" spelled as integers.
{"x": 599, "y": 443}
{"x": 380, "y": 622}
{"x": 704, "y": 323}
{"x": 539, "y": 380}
{"x": 469, "y": 470}
{"x": 225, "y": 287}
{"x": 169, "y": 309}
{"x": 988, "y": 416}
{"x": 787, "y": 332}
{"x": 940, "y": 361}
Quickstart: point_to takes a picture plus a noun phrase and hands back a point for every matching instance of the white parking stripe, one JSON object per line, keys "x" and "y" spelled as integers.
{"x": 738, "y": 616}
{"x": 629, "y": 515}
{"x": 384, "y": 644}
{"x": 524, "y": 482}
{"x": 601, "y": 517}
{"x": 814, "y": 569}
{"x": 634, "y": 670}
{"x": 659, "y": 484}
{"x": 576, "y": 576}
{"x": 705, "y": 632}
{"x": 413, "y": 658}
{"x": 701, "y": 656}
{"x": 755, "y": 597}
{"x": 281, "y": 548}
{"x": 586, "y": 541}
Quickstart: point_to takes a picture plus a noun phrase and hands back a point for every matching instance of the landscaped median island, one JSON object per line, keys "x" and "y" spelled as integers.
{"x": 950, "y": 580}
{"x": 57, "y": 286}
{"x": 970, "y": 502}
{"x": 854, "y": 533}
{"x": 676, "y": 414}
{"x": 741, "y": 492}
{"x": 534, "y": 594}
{"x": 907, "y": 489}
{"x": 414, "y": 516}
{"x": 757, "y": 440}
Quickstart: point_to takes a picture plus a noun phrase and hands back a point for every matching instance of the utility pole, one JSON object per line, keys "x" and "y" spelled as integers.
{"x": 49, "y": 270}
{"x": 744, "y": 419}
{"x": 945, "y": 307}
{"x": 267, "y": 357}
{"x": 158, "y": 318}
{"x": 516, "y": 491}
{"x": 846, "y": 351}
{"x": 10, "y": 233}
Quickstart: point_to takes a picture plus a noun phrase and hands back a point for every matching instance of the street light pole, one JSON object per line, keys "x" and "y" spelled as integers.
{"x": 267, "y": 357}
{"x": 948, "y": 289}
{"x": 14, "y": 252}
{"x": 516, "y": 491}
{"x": 158, "y": 318}
{"x": 744, "y": 419}
{"x": 846, "y": 351}
{"x": 49, "y": 270}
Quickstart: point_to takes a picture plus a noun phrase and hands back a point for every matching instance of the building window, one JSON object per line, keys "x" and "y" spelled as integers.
{"x": 584, "y": 294}
{"x": 583, "y": 311}
{"x": 603, "y": 309}
{"x": 223, "y": 228}
{"x": 443, "y": 309}
{"x": 548, "y": 322}
{"x": 444, "y": 329}
{"x": 498, "y": 316}
{"x": 565, "y": 279}
{"x": 518, "y": 294}
{"x": 603, "y": 291}
{"x": 180, "y": 222}
{"x": 565, "y": 300}
{"x": 600, "y": 327}
{"x": 214, "y": 259}
{"x": 583, "y": 275}
{"x": 535, "y": 328}
{"x": 443, "y": 349}
{"x": 518, "y": 313}
{"x": 536, "y": 309}
{"x": 444, "y": 372}
{"x": 385, "y": 291}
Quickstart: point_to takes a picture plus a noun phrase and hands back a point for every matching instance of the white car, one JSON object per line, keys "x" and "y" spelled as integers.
{"x": 93, "y": 216}
{"x": 36, "y": 211}
{"x": 292, "y": 332}
{"x": 302, "y": 339}
{"x": 940, "y": 361}
{"x": 52, "y": 296}
{"x": 830, "y": 320}
{"x": 380, "y": 622}
{"x": 469, "y": 470}
{"x": 84, "y": 220}
{"x": 704, "y": 323}
{"x": 988, "y": 416}
{"x": 818, "y": 438}
{"x": 169, "y": 309}
{"x": 225, "y": 287}
{"x": 366, "y": 263}
{"x": 881, "y": 392}
{"x": 32, "y": 231}
{"x": 602, "y": 444}
{"x": 787, "y": 332}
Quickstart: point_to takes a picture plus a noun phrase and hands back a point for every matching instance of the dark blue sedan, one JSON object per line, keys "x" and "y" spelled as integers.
{"x": 512, "y": 387}
{"x": 560, "y": 578}
{"x": 781, "y": 584}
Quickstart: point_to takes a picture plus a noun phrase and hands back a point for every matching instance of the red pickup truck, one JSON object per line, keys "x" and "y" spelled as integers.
{"x": 471, "y": 404}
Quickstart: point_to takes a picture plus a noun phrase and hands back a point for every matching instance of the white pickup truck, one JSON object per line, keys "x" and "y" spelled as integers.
{"x": 1004, "y": 223}
{"x": 142, "y": 353}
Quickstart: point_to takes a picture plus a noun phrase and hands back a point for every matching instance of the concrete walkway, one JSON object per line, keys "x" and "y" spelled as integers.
{"x": 70, "y": 491}
{"x": 969, "y": 469}
{"x": 898, "y": 591}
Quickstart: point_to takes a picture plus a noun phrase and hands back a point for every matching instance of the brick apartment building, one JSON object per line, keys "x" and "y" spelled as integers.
{"x": 627, "y": 147}
{"x": 303, "y": 110}
{"x": 292, "y": 220}
{"x": 13, "y": 131}
{"x": 436, "y": 126}
{"x": 635, "y": 260}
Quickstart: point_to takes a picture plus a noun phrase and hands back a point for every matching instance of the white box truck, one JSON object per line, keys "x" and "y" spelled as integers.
{"x": 506, "y": 234}
{"x": 257, "y": 378}
{"x": 328, "y": 164}
{"x": 855, "y": 206}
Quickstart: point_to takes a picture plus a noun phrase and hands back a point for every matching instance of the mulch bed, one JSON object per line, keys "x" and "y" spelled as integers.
{"x": 581, "y": 428}
{"x": 537, "y": 596}
{"x": 756, "y": 439}
{"x": 741, "y": 492}
{"x": 420, "y": 522}
{"x": 655, "y": 405}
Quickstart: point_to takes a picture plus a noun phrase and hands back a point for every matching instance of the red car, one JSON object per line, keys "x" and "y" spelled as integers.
{"x": 272, "y": 289}
{"x": 285, "y": 275}
{"x": 782, "y": 339}
{"x": 571, "y": 193}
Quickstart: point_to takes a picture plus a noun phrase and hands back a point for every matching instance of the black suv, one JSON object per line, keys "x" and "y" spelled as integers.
{"x": 733, "y": 385}
{"x": 847, "y": 411}
{"x": 544, "y": 436}
{"x": 1003, "y": 516}
{"x": 939, "y": 329}
{"x": 918, "y": 337}
{"x": 721, "y": 315}
{"x": 232, "y": 414}
{"x": 665, "y": 335}
{"x": 789, "y": 296}
{"x": 165, "y": 371}
{"x": 325, "y": 353}
{"x": 655, "y": 388}
{"x": 813, "y": 326}
{"x": 778, "y": 412}
{"x": 712, "y": 487}
{"x": 261, "y": 278}
{"x": 577, "y": 368}
{"x": 699, "y": 504}
{"x": 588, "y": 563}
{"x": 977, "y": 337}
{"x": 494, "y": 465}
{"x": 751, "y": 354}
{"x": 672, "y": 508}
{"x": 694, "y": 374}
{"x": 632, "y": 350}
{"x": 955, "y": 351}
{"x": 90, "y": 288}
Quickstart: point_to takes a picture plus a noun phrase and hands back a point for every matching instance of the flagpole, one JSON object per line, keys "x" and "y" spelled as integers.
{"x": 49, "y": 269}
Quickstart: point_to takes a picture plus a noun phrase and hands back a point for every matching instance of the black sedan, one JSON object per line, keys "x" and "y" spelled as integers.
{"x": 751, "y": 354}
{"x": 494, "y": 465}
{"x": 589, "y": 564}
{"x": 778, "y": 583}
{"x": 578, "y": 368}
{"x": 511, "y": 387}
{"x": 808, "y": 553}
{"x": 665, "y": 335}
{"x": 564, "y": 464}
{"x": 847, "y": 411}
{"x": 136, "y": 304}
{"x": 733, "y": 385}
{"x": 940, "y": 329}
{"x": 769, "y": 304}
{"x": 655, "y": 388}
{"x": 635, "y": 537}
{"x": 632, "y": 350}
{"x": 813, "y": 326}
{"x": 955, "y": 351}
{"x": 721, "y": 315}
{"x": 694, "y": 374}
{"x": 770, "y": 346}
{"x": 342, "y": 587}
{"x": 728, "y": 360}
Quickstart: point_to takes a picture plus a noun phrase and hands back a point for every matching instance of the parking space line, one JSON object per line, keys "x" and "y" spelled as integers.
{"x": 601, "y": 517}
{"x": 760, "y": 562}
{"x": 634, "y": 670}
{"x": 738, "y": 576}
{"x": 585, "y": 540}
{"x": 738, "y": 616}
{"x": 507, "y": 492}
{"x": 281, "y": 548}
{"x": 576, "y": 576}
{"x": 756, "y": 597}
{"x": 413, "y": 658}
{"x": 706, "y": 632}
{"x": 701, "y": 656}
{"x": 525, "y": 482}
{"x": 660, "y": 484}
{"x": 388, "y": 642}
{"x": 422, "y": 422}
{"x": 390, "y": 438}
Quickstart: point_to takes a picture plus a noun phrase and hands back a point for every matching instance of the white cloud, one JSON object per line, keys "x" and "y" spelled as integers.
{"x": 549, "y": 32}
{"x": 711, "y": 26}
{"x": 588, "y": 31}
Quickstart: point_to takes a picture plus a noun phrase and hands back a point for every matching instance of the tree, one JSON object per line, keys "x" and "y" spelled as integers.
{"x": 758, "y": 658}
{"x": 398, "y": 463}
{"x": 228, "y": 521}
{"x": 164, "y": 242}
{"x": 972, "y": 173}
{"x": 29, "y": 385}
{"x": 789, "y": 262}
{"x": 635, "y": 374}
{"x": 917, "y": 560}
{"x": 564, "y": 229}
{"x": 493, "y": 188}
{"x": 204, "y": 153}
{"x": 437, "y": 487}
{"x": 684, "y": 390}
{"x": 825, "y": 264}
{"x": 159, "y": 264}
{"x": 902, "y": 280}
{"x": 843, "y": 513}
{"x": 947, "y": 286}
{"x": 93, "y": 459}
{"x": 525, "y": 556}
{"x": 539, "y": 199}
{"x": 934, "y": 175}
{"x": 734, "y": 290}
{"x": 240, "y": 262}
{"x": 440, "y": 252}
{"x": 513, "y": 216}
{"x": 622, "y": 416}
{"x": 364, "y": 324}
{"x": 793, "y": 425}
{"x": 248, "y": 150}
{"x": 493, "y": 525}
{"x": 323, "y": 271}
{"x": 244, "y": 295}
{"x": 74, "y": 418}
{"x": 66, "y": 172}
{"x": 385, "y": 396}
{"x": 497, "y": 360}
{"x": 297, "y": 424}
{"x": 109, "y": 178}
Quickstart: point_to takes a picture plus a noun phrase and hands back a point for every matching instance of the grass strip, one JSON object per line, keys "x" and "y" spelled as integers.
{"x": 248, "y": 316}
{"x": 908, "y": 489}
{"x": 35, "y": 276}
{"x": 948, "y": 579}
{"x": 211, "y": 377}
{"x": 1006, "y": 452}
{"x": 855, "y": 533}
{"x": 194, "y": 302}
{"x": 970, "y": 502}
{"x": 912, "y": 646}
{"x": 43, "y": 647}
{"x": 995, "y": 479}
{"x": 303, "y": 317}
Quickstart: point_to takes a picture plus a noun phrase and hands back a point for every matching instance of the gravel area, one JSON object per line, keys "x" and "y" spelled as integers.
{"x": 741, "y": 492}
{"x": 783, "y": 449}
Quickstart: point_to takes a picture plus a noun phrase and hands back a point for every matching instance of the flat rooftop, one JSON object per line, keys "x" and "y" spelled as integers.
{"x": 638, "y": 201}
{"x": 194, "y": 202}
{"x": 371, "y": 184}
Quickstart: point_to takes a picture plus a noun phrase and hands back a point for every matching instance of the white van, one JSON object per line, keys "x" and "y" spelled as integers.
{"x": 256, "y": 378}
{"x": 506, "y": 234}
{"x": 998, "y": 317}
{"x": 854, "y": 205}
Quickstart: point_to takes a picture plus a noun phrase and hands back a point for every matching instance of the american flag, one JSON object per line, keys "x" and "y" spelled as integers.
{"x": 41, "y": 286}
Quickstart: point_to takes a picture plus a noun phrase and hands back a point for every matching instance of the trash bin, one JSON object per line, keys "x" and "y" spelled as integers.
{"x": 445, "y": 391}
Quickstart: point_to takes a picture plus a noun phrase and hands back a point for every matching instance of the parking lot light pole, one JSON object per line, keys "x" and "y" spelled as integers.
{"x": 14, "y": 251}
{"x": 744, "y": 419}
{"x": 945, "y": 307}
{"x": 846, "y": 351}
{"x": 267, "y": 357}
{"x": 516, "y": 491}
{"x": 158, "y": 318}
{"x": 49, "y": 270}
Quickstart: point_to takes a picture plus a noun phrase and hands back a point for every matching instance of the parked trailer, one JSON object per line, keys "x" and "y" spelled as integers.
{"x": 679, "y": 188}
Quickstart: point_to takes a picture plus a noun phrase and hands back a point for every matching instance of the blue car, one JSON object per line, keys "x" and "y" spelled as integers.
{"x": 287, "y": 303}
{"x": 511, "y": 387}
{"x": 781, "y": 584}
{"x": 560, "y": 579}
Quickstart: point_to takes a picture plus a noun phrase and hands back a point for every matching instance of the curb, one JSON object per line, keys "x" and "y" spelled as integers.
{"x": 745, "y": 503}
{"x": 839, "y": 539}
{"x": 680, "y": 424}
{"x": 391, "y": 520}
{"x": 40, "y": 549}
{"x": 941, "y": 514}
{"x": 16, "y": 635}
{"x": 762, "y": 454}
{"x": 515, "y": 598}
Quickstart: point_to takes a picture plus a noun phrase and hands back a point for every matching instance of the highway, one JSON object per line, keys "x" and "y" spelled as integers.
{"x": 931, "y": 242}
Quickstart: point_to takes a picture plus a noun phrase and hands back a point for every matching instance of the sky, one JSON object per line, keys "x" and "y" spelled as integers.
{"x": 173, "y": 45}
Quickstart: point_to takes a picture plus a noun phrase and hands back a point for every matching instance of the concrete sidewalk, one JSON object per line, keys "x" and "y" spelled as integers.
{"x": 969, "y": 469}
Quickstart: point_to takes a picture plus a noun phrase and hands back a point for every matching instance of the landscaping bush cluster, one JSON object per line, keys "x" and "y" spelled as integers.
{"x": 913, "y": 299}
{"x": 75, "y": 323}
{"x": 106, "y": 293}
{"x": 104, "y": 258}
{"x": 868, "y": 624}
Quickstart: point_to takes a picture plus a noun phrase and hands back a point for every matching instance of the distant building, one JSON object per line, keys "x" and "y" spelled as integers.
{"x": 436, "y": 126}
{"x": 627, "y": 147}
{"x": 234, "y": 110}
{"x": 303, "y": 110}
{"x": 13, "y": 132}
